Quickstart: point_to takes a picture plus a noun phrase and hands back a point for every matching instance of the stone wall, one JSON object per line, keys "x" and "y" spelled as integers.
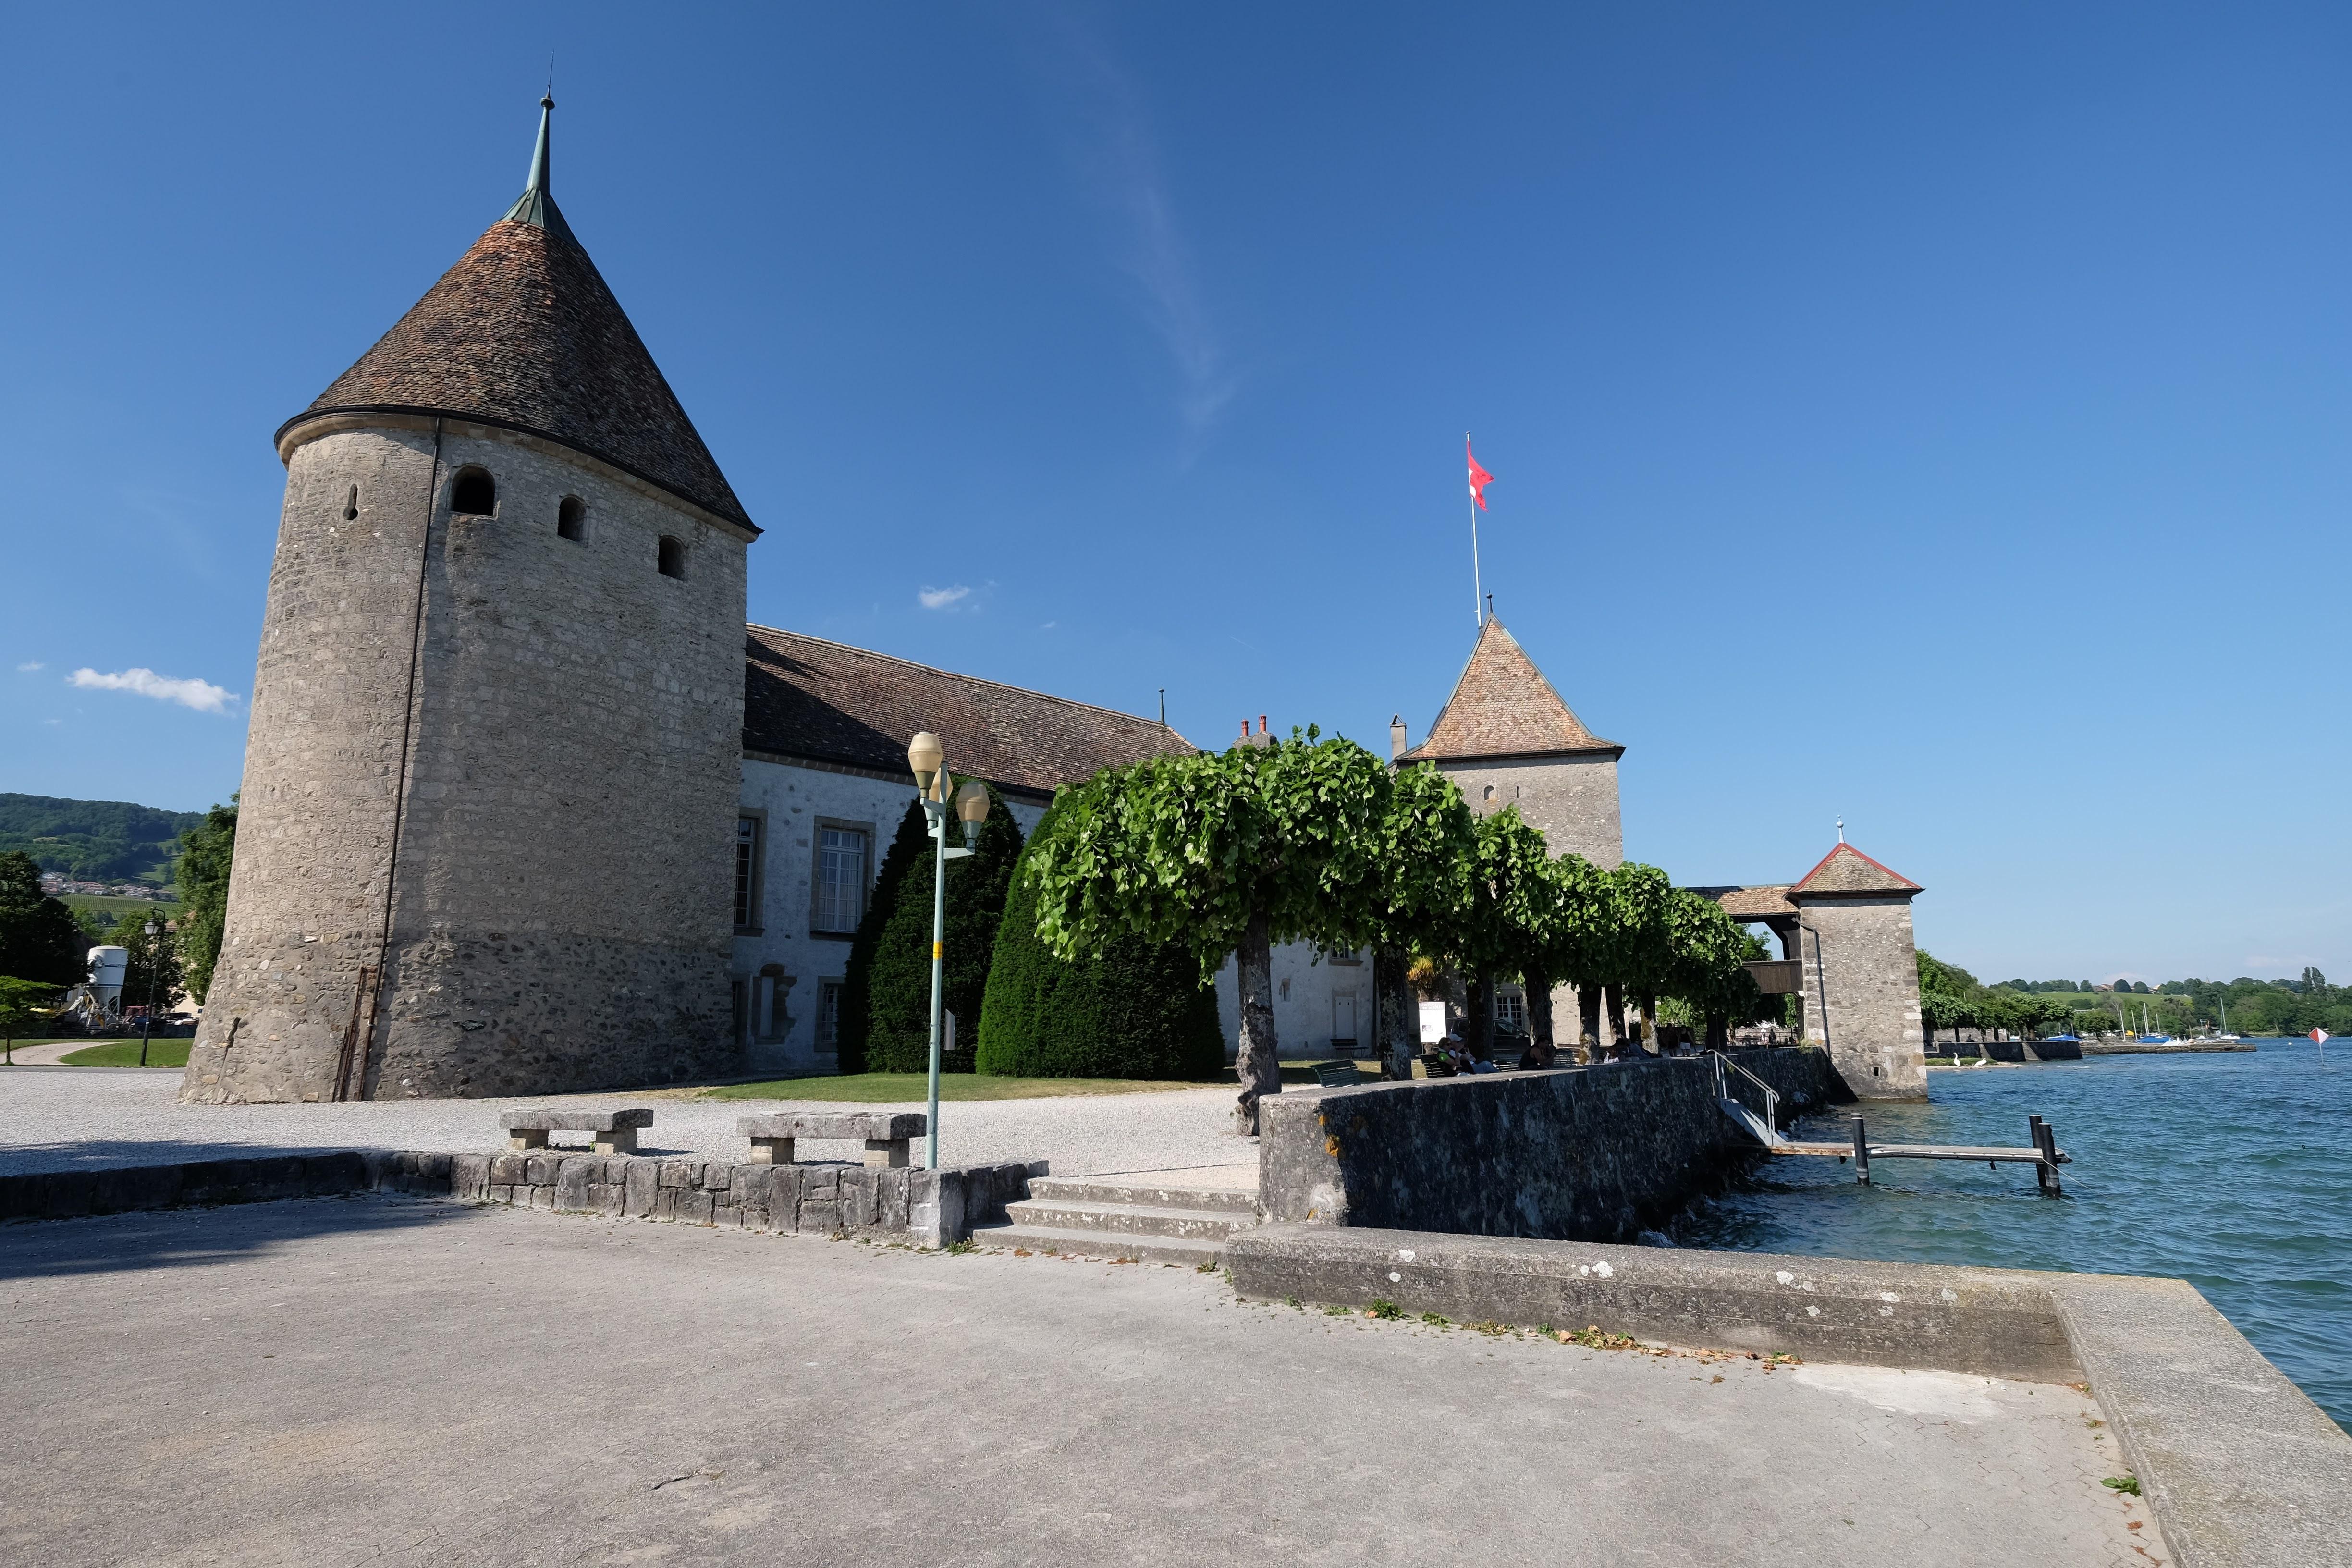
{"x": 562, "y": 917}
{"x": 1571, "y": 800}
{"x": 1587, "y": 1154}
{"x": 931, "y": 1208}
{"x": 1862, "y": 992}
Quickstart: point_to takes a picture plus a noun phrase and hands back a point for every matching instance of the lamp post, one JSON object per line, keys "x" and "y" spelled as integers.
{"x": 147, "y": 1025}
{"x": 932, "y": 781}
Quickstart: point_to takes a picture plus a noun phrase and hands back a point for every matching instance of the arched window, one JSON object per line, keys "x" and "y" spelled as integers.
{"x": 474, "y": 493}
{"x": 572, "y": 518}
{"x": 671, "y": 557}
{"x": 352, "y": 507}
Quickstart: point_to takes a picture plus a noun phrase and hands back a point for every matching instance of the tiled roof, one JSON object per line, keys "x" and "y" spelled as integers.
{"x": 1753, "y": 903}
{"x": 806, "y": 696}
{"x": 1503, "y": 706}
{"x": 522, "y": 333}
{"x": 1846, "y": 869}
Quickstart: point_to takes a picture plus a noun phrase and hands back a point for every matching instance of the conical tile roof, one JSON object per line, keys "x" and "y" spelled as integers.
{"x": 1846, "y": 869}
{"x": 1503, "y": 706}
{"x": 522, "y": 333}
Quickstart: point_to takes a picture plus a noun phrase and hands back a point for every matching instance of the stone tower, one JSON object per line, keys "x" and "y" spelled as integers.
{"x": 490, "y": 791}
{"x": 1860, "y": 973}
{"x": 1505, "y": 738}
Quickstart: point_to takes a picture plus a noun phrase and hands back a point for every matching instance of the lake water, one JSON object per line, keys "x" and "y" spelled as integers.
{"x": 2232, "y": 1172}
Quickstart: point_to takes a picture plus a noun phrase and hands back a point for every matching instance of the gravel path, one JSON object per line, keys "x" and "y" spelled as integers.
{"x": 64, "y": 1118}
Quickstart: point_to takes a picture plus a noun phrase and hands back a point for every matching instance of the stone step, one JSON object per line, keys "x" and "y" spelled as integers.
{"x": 1111, "y": 1190}
{"x": 1102, "y": 1244}
{"x": 1128, "y": 1219}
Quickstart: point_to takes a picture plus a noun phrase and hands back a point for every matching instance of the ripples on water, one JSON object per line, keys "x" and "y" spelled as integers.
{"x": 2230, "y": 1171}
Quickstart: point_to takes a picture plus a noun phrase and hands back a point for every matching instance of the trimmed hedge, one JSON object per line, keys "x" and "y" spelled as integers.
{"x": 1137, "y": 1011}
{"x": 909, "y": 849}
{"x": 892, "y": 987}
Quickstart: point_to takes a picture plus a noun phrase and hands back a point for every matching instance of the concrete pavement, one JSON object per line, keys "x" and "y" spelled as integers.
{"x": 382, "y": 1381}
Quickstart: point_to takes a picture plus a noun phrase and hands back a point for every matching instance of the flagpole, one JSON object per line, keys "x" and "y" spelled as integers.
{"x": 1477, "y": 597}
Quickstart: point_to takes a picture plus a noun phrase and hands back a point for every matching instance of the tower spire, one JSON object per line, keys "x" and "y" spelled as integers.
{"x": 536, "y": 205}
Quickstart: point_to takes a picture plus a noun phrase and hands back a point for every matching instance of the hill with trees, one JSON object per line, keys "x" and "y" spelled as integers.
{"x": 94, "y": 840}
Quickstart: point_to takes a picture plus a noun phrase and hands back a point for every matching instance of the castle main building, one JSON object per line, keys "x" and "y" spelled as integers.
{"x": 528, "y": 807}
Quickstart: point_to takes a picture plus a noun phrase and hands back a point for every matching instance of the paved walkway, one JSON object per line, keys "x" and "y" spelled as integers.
{"x": 389, "y": 1381}
{"x": 59, "y": 1118}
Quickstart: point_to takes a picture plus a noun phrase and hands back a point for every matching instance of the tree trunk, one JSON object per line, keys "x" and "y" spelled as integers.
{"x": 1538, "y": 989}
{"x": 1588, "y": 1015}
{"x": 1718, "y": 1032}
{"x": 1613, "y": 1014}
{"x": 1651, "y": 1039}
{"x": 1397, "y": 1020}
{"x": 1479, "y": 1023}
{"x": 1257, "y": 1064}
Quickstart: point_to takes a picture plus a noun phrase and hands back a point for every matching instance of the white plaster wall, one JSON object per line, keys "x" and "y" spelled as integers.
{"x": 1304, "y": 989}
{"x": 794, "y": 799}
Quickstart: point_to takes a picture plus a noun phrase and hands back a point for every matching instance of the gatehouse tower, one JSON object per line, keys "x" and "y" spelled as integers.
{"x": 485, "y": 842}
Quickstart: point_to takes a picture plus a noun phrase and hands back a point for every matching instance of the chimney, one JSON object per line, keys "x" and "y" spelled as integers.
{"x": 1261, "y": 723}
{"x": 1396, "y": 736}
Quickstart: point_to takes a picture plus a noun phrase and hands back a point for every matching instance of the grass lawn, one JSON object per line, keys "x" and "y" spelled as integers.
{"x": 890, "y": 1088}
{"x": 125, "y": 1054}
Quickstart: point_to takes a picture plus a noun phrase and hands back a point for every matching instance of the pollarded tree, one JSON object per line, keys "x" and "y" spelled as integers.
{"x": 898, "y": 985}
{"x": 1138, "y": 1010}
{"x": 1224, "y": 852}
{"x": 1709, "y": 964}
{"x": 1427, "y": 847}
{"x": 1514, "y": 915}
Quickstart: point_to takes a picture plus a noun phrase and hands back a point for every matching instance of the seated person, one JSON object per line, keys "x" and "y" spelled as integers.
{"x": 1539, "y": 1054}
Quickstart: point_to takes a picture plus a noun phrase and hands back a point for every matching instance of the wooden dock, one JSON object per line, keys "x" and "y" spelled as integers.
{"x": 2045, "y": 1156}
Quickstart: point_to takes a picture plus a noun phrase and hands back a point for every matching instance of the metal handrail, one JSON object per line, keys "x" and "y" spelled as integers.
{"x": 1771, "y": 1095}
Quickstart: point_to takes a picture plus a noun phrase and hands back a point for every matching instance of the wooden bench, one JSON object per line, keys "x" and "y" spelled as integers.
{"x": 1338, "y": 1074}
{"x": 615, "y": 1131}
{"x": 885, "y": 1133}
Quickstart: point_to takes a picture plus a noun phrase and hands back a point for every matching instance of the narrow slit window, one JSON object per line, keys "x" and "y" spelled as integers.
{"x": 572, "y": 518}
{"x": 352, "y": 507}
{"x": 475, "y": 494}
{"x": 671, "y": 557}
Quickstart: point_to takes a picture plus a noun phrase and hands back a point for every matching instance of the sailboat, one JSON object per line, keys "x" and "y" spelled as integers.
{"x": 2225, "y": 1034}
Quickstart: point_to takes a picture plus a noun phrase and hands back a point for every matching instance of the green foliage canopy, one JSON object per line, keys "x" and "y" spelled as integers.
{"x": 39, "y": 939}
{"x": 206, "y": 850}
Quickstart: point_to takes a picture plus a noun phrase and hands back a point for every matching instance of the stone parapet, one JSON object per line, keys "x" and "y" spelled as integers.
{"x": 1586, "y": 1153}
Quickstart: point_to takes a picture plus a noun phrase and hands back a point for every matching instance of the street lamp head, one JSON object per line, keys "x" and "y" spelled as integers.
{"x": 151, "y": 930}
{"x": 972, "y": 806}
{"x": 923, "y": 755}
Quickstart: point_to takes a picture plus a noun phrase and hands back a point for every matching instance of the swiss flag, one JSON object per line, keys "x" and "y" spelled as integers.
{"x": 1479, "y": 477}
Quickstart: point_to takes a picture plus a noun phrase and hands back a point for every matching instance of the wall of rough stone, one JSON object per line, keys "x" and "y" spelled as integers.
{"x": 1862, "y": 992}
{"x": 1571, "y": 801}
{"x": 1587, "y": 1154}
{"x": 562, "y": 917}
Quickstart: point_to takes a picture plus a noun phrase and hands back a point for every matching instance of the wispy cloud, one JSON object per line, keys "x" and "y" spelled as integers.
{"x": 201, "y": 695}
{"x": 1120, "y": 160}
{"x": 942, "y": 598}
{"x": 31, "y": 664}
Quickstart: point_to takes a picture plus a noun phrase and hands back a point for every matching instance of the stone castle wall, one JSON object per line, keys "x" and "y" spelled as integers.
{"x": 1571, "y": 801}
{"x": 562, "y": 916}
{"x": 1862, "y": 992}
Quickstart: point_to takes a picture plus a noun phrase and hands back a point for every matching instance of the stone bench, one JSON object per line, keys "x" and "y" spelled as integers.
{"x": 615, "y": 1131}
{"x": 885, "y": 1133}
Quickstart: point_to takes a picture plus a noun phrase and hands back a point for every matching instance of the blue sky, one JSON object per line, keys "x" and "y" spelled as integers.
{"x": 1928, "y": 416}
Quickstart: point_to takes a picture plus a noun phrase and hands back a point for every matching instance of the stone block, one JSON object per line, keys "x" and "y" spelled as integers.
{"x": 858, "y": 1205}
{"x": 848, "y": 1127}
{"x": 508, "y": 1169}
{"x": 717, "y": 1177}
{"x": 695, "y": 1205}
{"x": 666, "y": 1202}
{"x": 469, "y": 1176}
{"x": 541, "y": 1169}
{"x": 819, "y": 1181}
{"x": 500, "y": 1193}
{"x": 70, "y": 1193}
{"x": 604, "y": 1198}
{"x": 572, "y": 1184}
{"x": 563, "y": 1121}
{"x": 727, "y": 1216}
{"x": 681, "y": 1173}
{"x": 640, "y": 1181}
{"x": 819, "y": 1216}
{"x": 785, "y": 1184}
{"x": 890, "y": 1198}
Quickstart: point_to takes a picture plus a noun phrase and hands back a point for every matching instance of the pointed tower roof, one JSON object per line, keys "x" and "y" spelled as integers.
{"x": 522, "y": 333}
{"x": 1846, "y": 869}
{"x": 1503, "y": 706}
